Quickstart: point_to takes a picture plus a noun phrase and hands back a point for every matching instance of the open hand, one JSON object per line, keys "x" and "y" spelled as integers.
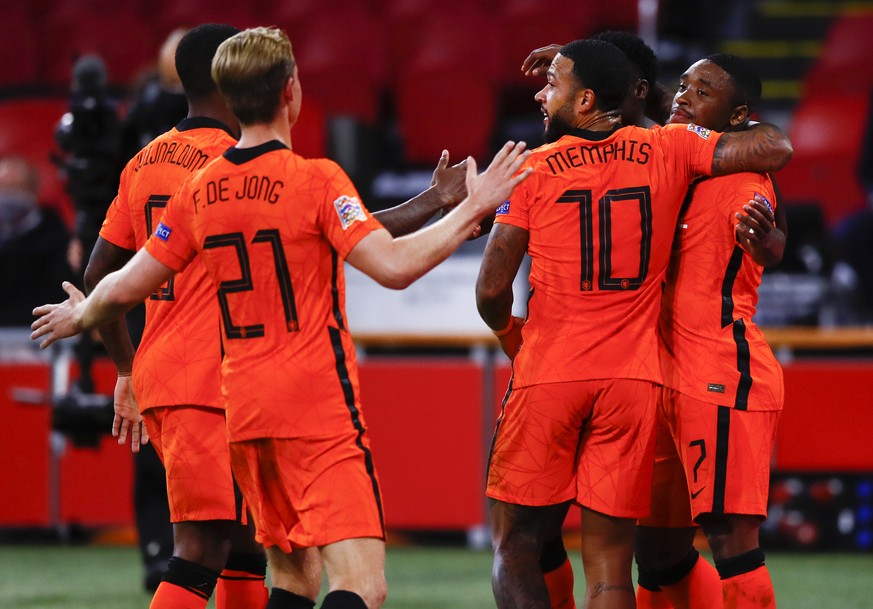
{"x": 60, "y": 320}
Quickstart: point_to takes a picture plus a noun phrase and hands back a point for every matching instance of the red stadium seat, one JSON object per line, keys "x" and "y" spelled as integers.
{"x": 27, "y": 128}
{"x": 168, "y": 15}
{"x": 843, "y": 65}
{"x": 445, "y": 109}
{"x": 526, "y": 25}
{"x": 124, "y": 39}
{"x": 827, "y": 135}
{"x": 18, "y": 48}
{"x": 309, "y": 135}
{"x": 342, "y": 61}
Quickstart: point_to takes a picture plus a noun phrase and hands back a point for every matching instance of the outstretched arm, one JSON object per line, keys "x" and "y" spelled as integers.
{"x": 760, "y": 148}
{"x": 500, "y": 263}
{"x": 448, "y": 188}
{"x": 396, "y": 263}
{"x": 113, "y": 297}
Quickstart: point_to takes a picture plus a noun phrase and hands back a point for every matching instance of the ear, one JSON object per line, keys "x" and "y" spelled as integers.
{"x": 585, "y": 100}
{"x": 641, "y": 90}
{"x": 288, "y": 89}
{"x": 739, "y": 115}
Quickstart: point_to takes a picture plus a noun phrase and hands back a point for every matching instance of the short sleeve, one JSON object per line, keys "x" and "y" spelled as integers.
{"x": 343, "y": 217}
{"x": 516, "y": 209}
{"x": 172, "y": 242}
{"x": 117, "y": 227}
{"x": 695, "y": 146}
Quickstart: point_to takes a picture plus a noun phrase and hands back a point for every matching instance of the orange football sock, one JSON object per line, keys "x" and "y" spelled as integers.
{"x": 700, "y": 589}
{"x": 560, "y": 584}
{"x": 241, "y": 590}
{"x": 752, "y": 590}
{"x": 171, "y": 596}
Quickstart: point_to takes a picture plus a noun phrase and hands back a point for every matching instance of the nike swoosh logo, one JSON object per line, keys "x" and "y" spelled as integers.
{"x": 694, "y": 495}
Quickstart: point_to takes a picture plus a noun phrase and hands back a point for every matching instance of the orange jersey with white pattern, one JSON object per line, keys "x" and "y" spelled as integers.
{"x": 179, "y": 357}
{"x": 273, "y": 230}
{"x": 601, "y": 210}
{"x": 711, "y": 348}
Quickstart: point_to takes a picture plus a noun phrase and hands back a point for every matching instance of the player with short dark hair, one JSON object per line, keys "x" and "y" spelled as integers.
{"x": 597, "y": 217}
{"x": 273, "y": 230}
{"x": 175, "y": 373}
{"x": 723, "y": 389}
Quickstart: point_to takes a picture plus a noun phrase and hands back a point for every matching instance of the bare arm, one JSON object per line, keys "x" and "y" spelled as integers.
{"x": 500, "y": 263}
{"x": 396, "y": 263}
{"x": 448, "y": 188}
{"x": 113, "y": 297}
{"x": 107, "y": 258}
{"x": 761, "y": 148}
{"x": 757, "y": 235}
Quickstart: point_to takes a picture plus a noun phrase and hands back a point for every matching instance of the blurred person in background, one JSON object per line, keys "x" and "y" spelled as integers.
{"x": 159, "y": 102}
{"x": 33, "y": 244}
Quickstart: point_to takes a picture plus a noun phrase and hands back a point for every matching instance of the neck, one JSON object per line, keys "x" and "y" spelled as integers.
{"x": 214, "y": 108}
{"x": 261, "y": 133}
{"x": 600, "y": 121}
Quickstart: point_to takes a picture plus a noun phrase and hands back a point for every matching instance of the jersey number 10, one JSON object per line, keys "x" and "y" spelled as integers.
{"x": 605, "y": 279}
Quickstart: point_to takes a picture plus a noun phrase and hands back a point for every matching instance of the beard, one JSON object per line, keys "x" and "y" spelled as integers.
{"x": 556, "y": 129}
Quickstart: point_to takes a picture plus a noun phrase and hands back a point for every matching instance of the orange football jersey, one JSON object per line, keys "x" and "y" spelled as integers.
{"x": 179, "y": 357}
{"x": 601, "y": 210}
{"x": 712, "y": 350}
{"x": 273, "y": 230}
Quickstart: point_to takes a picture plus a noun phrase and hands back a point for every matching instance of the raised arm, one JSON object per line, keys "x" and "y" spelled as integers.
{"x": 500, "y": 263}
{"x": 396, "y": 263}
{"x": 760, "y": 148}
{"x": 448, "y": 188}
{"x": 114, "y": 296}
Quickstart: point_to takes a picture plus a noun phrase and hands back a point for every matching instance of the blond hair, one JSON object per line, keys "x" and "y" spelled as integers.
{"x": 251, "y": 69}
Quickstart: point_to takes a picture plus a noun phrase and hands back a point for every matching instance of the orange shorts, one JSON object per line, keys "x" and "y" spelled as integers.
{"x": 305, "y": 492}
{"x": 716, "y": 459}
{"x": 191, "y": 442}
{"x": 588, "y": 441}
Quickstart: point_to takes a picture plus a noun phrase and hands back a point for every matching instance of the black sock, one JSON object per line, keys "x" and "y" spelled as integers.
{"x": 343, "y": 599}
{"x": 283, "y": 599}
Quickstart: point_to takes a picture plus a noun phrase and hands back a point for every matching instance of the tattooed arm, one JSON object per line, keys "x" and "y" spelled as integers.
{"x": 506, "y": 247}
{"x": 760, "y": 148}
